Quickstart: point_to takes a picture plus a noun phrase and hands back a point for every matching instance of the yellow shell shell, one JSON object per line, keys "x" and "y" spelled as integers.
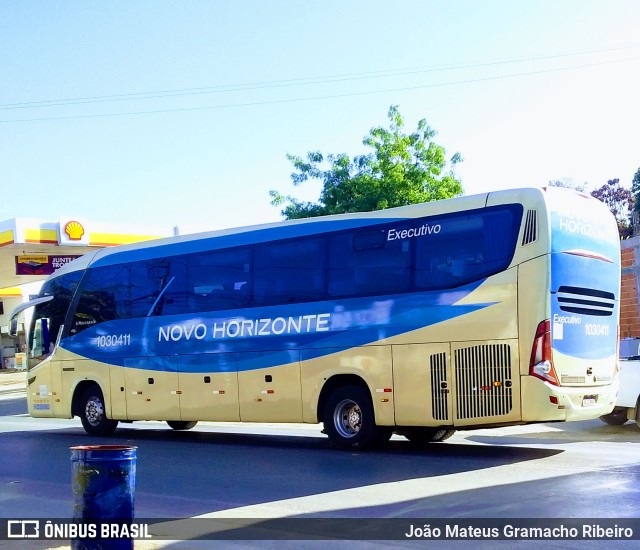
{"x": 74, "y": 230}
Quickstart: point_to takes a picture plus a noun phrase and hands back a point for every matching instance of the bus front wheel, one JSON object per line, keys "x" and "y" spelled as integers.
{"x": 93, "y": 413}
{"x": 349, "y": 419}
{"x": 181, "y": 424}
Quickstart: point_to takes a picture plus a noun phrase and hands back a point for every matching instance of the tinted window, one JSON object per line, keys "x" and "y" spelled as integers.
{"x": 63, "y": 287}
{"x": 288, "y": 272}
{"x": 50, "y": 316}
{"x": 148, "y": 280}
{"x": 104, "y": 297}
{"x": 367, "y": 263}
{"x": 422, "y": 254}
{"x": 465, "y": 247}
{"x": 208, "y": 281}
{"x": 119, "y": 292}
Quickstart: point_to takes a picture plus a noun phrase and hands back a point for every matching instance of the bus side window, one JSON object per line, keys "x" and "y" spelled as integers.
{"x": 105, "y": 296}
{"x": 148, "y": 283}
{"x": 289, "y": 272}
{"x": 208, "y": 281}
{"x": 468, "y": 248}
{"x": 360, "y": 265}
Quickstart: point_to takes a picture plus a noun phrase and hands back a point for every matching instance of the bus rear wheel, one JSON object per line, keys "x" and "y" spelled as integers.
{"x": 422, "y": 436}
{"x": 181, "y": 424}
{"x": 349, "y": 420}
{"x": 93, "y": 413}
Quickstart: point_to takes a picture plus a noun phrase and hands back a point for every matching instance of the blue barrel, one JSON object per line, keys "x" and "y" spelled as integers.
{"x": 103, "y": 481}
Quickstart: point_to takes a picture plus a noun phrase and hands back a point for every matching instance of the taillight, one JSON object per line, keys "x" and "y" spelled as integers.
{"x": 541, "y": 364}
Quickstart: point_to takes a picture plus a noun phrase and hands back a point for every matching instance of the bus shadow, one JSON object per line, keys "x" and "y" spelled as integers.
{"x": 320, "y": 443}
{"x": 199, "y": 441}
{"x": 181, "y": 474}
{"x": 562, "y": 433}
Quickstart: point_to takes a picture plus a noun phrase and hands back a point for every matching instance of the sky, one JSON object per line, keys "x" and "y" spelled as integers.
{"x": 181, "y": 113}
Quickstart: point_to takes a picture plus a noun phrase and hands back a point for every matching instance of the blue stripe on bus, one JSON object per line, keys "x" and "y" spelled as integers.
{"x": 264, "y": 337}
{"x": 243, "y": 238}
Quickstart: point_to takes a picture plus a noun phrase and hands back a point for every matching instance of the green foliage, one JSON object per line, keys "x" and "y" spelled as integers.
{"x": 635, "y": 190}
{"x": 401, "y": 169}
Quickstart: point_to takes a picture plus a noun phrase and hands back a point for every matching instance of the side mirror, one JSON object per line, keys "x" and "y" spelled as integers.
{"x": 13, "y": 326}
{"x": 46, "y": 338}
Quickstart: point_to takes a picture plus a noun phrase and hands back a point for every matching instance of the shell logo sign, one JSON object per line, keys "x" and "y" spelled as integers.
{"x": 75, "y": 230}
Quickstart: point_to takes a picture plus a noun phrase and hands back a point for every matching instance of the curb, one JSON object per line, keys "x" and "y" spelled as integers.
{"x": 11, "y": 382}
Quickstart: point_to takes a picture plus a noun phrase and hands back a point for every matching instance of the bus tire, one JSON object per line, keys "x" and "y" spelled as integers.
{"x": 617, "y": 417}
{"x": 182, "y": 424}
{"x": 423, "y": 436}
{"x": 93, "y": 413}
{"x": 443, "y": 435}
{"x": 349, "y": 419}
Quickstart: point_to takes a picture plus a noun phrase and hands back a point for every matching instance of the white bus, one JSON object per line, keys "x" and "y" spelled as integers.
{"x": 487, "y": 310}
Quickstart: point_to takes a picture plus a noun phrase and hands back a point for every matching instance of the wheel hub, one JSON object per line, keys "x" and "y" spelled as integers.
{"x": 348, "y": 418}
{"x": 94, "y": 411}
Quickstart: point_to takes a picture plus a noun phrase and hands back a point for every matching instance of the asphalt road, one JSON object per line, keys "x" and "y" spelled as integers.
{"x": 573, "y": 470}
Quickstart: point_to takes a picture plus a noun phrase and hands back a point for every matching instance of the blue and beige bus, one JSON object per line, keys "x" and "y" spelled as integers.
{"x": 488, "y": 310}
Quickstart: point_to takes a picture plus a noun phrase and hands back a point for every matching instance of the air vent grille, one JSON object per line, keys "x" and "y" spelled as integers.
{"x": 483, "y": 381}
{"x": 530, "y": 227}
{"x": 586, "y": 301}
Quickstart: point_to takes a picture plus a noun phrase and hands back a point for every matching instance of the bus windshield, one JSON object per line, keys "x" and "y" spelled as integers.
{"x": 48, "y": 316}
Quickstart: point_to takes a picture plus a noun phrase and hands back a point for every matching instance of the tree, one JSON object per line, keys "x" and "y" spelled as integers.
{"x": 635, "y": 190}
{"x": 620, "y": 202}
{"x": 401, "y": 169}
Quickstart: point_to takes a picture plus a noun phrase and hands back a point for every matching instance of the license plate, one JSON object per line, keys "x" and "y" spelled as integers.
{"x": 589, "y": 400}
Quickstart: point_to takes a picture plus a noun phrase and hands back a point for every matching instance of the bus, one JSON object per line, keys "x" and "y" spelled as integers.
{"x": 488, "y": 310}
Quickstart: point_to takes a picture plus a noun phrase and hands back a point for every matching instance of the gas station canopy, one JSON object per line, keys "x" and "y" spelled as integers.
{"x": 32, "y": 249}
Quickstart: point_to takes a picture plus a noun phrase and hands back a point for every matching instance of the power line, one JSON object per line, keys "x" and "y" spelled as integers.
{"x": 317, "y": 98}
{"x": 386, "y": 73}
